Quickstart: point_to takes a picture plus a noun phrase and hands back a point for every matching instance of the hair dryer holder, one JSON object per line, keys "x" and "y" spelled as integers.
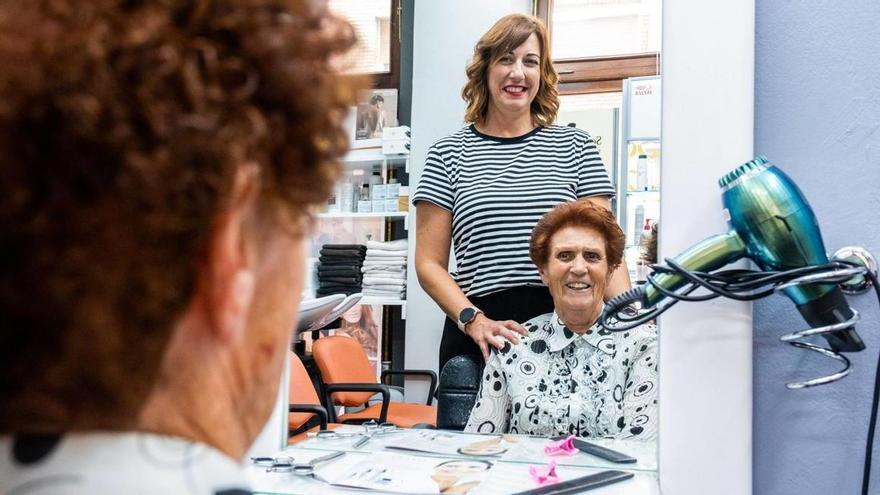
{"x": 852, "y": 280}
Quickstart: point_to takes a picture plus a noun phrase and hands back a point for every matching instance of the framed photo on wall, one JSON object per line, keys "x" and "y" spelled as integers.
{"x": 376, "y": 109}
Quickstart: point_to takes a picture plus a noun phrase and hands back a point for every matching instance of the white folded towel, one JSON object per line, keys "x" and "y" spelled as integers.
{"x": 371, "y": 276}
{"x": 384, "y": 293}
{"x": 398, "y": 262}
{"x": 384, "y": 269}
{"x": 400, "y": 244}
{"x": 386, "y": 253}
{"x": 385, "y": 287}
{"x": 375, "y": 281}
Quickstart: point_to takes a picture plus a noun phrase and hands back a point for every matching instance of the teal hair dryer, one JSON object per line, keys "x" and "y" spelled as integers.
{"x": 772, "y": 224}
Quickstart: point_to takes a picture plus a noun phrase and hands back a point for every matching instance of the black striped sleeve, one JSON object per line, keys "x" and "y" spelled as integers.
{"x": 435, "y": 185}
{"x": 592, "y": 178}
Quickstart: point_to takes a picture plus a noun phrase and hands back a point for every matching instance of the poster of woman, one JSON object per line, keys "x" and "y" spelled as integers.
{"x": 376, "y": 110}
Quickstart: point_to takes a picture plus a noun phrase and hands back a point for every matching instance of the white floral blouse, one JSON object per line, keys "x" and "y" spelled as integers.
{"x": 556, "y": 382}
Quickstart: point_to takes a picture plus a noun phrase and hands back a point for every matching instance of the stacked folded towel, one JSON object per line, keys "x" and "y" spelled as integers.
{"x": 384, "y": 269}
{"x": 339, "y": 269}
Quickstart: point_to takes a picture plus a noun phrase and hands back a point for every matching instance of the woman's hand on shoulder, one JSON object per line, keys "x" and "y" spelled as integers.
{"x": 487, "y": 332}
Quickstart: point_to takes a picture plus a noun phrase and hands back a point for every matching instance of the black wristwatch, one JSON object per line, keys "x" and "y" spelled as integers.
{"x": 466, "y": 316}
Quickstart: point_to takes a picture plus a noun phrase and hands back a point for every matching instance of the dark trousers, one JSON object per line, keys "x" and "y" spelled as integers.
{"x": 519, "y": 304}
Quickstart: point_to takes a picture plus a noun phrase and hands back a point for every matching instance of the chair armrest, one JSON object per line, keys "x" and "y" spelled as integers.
{"x": 428, "y": 373}
{"x": 320, "y": 411}
{"x": 330, "y": 388}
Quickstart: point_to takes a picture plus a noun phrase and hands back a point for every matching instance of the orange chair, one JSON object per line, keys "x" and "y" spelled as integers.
{"x": 350, "y": 381}
{"x": 304, "y": 403}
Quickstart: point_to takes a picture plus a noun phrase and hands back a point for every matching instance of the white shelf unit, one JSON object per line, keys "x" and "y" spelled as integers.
{"x": 370, "y": 159}
{"x": 357, "y": 157}
{"x": 641, "y": 131}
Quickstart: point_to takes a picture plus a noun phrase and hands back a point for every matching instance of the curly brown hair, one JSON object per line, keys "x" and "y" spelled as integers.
{"x": 122, "y": 126}
{"x": 508, "y": 33}
{"x": 581, "y": 213}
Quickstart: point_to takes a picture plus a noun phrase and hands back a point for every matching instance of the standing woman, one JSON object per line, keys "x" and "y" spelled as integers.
{"x": 485, "y": 186}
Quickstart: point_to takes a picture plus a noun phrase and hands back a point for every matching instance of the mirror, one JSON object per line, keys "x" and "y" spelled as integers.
{"x": 591, "y": 102}
{"x": 707, "y": 68}
{"x": 705, "y": 375}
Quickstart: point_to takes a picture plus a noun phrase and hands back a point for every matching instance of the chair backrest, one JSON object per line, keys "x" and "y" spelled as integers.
{"x": 300, "y": 391}
{"x": 343, "y": 360}
{"x": 457, "y": 391}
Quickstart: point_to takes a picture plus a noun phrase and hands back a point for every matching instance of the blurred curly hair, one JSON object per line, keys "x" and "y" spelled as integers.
{"x": 122, "y": 125}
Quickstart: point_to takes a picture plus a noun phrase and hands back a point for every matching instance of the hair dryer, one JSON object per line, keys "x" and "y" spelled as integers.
{"x": 773, "y": 225}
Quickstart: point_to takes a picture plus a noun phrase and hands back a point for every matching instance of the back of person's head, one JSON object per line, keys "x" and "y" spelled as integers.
{"x": 508, "y": 33}
{"x": 123, "y": 126}
{"x": 581, "y": 213}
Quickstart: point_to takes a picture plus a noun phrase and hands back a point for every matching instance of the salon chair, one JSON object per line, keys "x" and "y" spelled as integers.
{"x": 350, "y": 381}
{"x": 304, "y": 407}
{"x": 457, "y": 393}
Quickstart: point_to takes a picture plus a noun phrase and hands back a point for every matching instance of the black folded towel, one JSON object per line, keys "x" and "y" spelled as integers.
{"x": 339, "y": 271}
{"x": 326, "y": 285}
{"x": 327, "y": 263}
{"x": 329, "y": 292}
{"x": 343, "y": 253}
{"x": 338, "y": 280}
{"x": 359, "y": 247}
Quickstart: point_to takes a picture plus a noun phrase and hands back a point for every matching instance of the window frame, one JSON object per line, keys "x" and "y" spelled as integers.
{"x": 391, "y": 78}
{"x": 596, "y": 74}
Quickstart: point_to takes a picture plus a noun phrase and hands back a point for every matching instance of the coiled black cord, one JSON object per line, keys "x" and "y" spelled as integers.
{"x": 741, "y": 285}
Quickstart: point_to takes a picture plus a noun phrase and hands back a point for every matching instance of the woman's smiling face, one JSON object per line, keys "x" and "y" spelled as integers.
{"x": 576, "y": 272}
{"x": 514, "y": 79}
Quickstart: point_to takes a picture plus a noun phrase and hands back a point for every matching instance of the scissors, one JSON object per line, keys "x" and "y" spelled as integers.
{"x": 286, "y": 464}
{"x": 370, "y": 428}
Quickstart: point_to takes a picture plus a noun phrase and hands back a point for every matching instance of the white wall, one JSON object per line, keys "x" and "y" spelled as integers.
{"x": 444, "y": 37}
{"x": 705, "y": 348}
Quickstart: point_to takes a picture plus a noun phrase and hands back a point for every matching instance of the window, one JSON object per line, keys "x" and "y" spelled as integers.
{"x": 377, "y": 52}
{"x": 598, "y": 43}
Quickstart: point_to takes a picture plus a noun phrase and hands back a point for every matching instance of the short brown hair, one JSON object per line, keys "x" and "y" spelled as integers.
{"x": 508, "y": 33}
{"x": 580, "y": 213}
{"x": 122, "y": 126}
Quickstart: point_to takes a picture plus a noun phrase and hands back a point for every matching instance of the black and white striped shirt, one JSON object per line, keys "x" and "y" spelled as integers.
{"x": 498, "y": 188}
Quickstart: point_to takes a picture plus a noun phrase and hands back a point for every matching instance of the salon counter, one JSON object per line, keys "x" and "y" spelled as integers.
{"x": 509, "y": 470}
{"x": 521, "y": 448}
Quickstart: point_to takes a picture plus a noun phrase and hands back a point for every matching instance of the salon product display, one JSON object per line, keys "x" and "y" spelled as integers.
{"x": 384, "y": 269}
{"x": 339, "y": 269}
{"x": 396, "y": 140}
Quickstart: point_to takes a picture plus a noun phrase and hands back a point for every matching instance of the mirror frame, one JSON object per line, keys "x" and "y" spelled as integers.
{"x": 705, "y": 438}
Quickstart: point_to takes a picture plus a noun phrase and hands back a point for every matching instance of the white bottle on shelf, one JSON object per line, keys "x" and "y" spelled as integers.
{"x": 346, "y": 199}
{"x": 642, "y": 173}
{"x": 364, "y": 204}
{"x": 376, "y": 178}
{"x": 646, "y": 230}
{"x": 637, "y": 225}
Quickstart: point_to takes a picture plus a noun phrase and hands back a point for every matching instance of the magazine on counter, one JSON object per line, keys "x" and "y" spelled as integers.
{"x": 450, "y": 443}
{"x": 389, "y": 472}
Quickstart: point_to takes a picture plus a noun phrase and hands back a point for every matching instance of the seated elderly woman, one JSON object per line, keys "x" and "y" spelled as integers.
{"x": 569, "y": 375}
